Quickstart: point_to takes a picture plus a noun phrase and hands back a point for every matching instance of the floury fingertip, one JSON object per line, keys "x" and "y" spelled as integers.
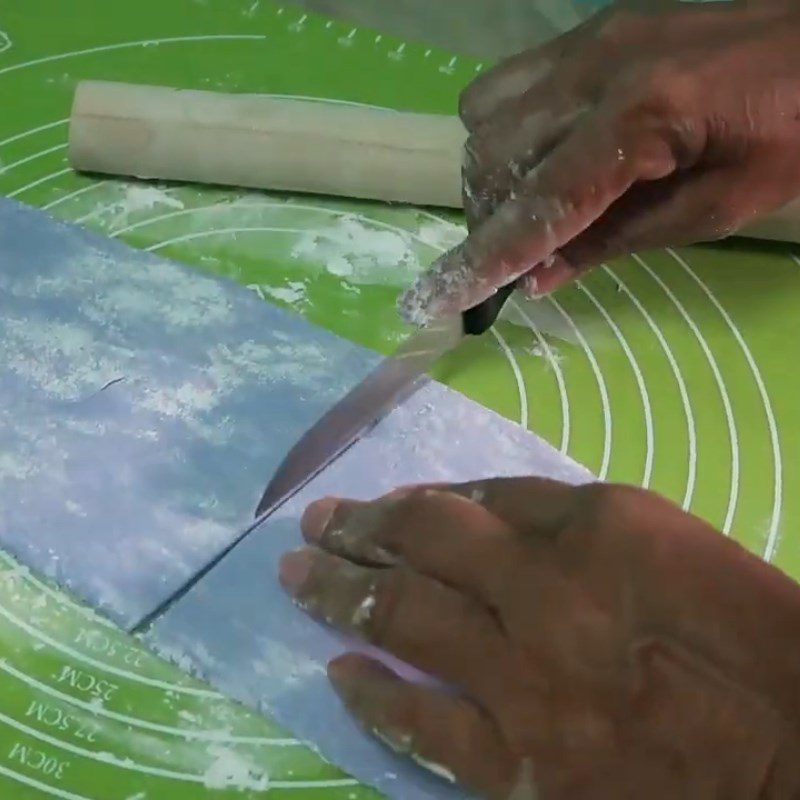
{"x": 443, "y": 288}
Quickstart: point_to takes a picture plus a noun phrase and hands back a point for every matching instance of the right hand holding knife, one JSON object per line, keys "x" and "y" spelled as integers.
{"x": 636, "y": 130}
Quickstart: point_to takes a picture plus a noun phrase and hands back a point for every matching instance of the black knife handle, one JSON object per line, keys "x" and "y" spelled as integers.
{"x": 479, "y": 319}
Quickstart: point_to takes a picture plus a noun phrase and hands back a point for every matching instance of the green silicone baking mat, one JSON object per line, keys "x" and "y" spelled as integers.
{"x": 669, "y": 370}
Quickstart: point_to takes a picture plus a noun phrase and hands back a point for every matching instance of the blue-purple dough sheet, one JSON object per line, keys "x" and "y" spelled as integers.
{"x": 144, "y": 406}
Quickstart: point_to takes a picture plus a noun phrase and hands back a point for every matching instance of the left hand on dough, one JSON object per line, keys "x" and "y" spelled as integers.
{"x": 602, "y": 643}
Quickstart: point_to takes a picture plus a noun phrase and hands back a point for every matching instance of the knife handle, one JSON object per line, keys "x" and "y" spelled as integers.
{"x": 479, "y": 319}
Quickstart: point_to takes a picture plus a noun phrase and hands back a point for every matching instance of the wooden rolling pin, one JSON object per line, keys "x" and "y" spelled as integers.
{"x": 265, "y": 142}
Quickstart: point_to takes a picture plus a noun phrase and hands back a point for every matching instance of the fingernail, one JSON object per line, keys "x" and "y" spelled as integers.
{"x": 529, "y": 284}
{"x": 549, "y": 276}
{"x": 441, "y": 289}
{"x": 317, "y": 516}
{"x": 295, "y": 567}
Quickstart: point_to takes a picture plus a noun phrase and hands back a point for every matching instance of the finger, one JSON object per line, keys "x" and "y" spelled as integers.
{"x": 422, "y": 622}
{"x": 506, "y": 82}
{"x": 681, "y": 210}
{"x": 532, "y": 505}
{"x": 508, "y": 147}
{"x": 438, "y": 533}
{"x": 599, "y": 161}
{"x": 342, "y": 526}
{"x": 447, "y": 735}
{"x": 552, "y": 274}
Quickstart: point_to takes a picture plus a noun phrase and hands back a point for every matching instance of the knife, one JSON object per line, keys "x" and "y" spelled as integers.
{"x": 388, "y": 385}
{"x": 394, "y": 380}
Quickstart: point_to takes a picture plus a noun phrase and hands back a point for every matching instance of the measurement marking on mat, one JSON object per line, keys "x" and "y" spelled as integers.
{"x": 94, "y": 707}
{"x": 56, "y": 717}
{"x": 347, "y": 41}
{"x": 86, "y": 682}
{"x": 139, "y": 43}
{"x": 105, "y": 757}
{"x": 38, "y": 760}
{"x": 75, "y": 654}
{"x": 98, "y": 642}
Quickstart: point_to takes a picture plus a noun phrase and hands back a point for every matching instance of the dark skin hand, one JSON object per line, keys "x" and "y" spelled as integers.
{"x": 636, "y": 130}
{"x": 602, "y": 643}
{"x": 599, "y": 643}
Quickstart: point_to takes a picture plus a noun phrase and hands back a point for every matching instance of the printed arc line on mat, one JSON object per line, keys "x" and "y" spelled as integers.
{"x": 771, "y": 547}
{"x": 39, "y": 182}
{"x": 733, "y": 437}
{"x": 139, "y": 43}
{"x": 8, "y": 167}
{"x": 59, "y": 596}
{"x": 559, "y": 375}
{"x": 691, "y": 430}
{"x": 105, "y": 757}
{"x": 523, "y": 395}
{"x": 107, "y": 668}
{"x": 65, "y": 197}
{"x": 25, "y": 134}
{"x": 221, "y": 737}
{"x": 643, "y": 393}
{"x": 601, "y": 387}
{"x": 53, "y": 791}
{"x": 65, "y": 600}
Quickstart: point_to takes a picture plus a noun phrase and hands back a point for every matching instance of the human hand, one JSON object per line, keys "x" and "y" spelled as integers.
{"x": 601, "y": 642}
{"x": 636, "y": 130}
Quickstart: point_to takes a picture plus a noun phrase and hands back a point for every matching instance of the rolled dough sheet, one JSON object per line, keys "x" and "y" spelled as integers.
{"x": 143, "y": 406}
{"x": 238, "y": 630}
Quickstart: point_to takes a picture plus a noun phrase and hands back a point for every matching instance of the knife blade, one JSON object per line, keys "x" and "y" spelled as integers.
{"x": 395, "y": 379}
{"x": 388, "y": 385}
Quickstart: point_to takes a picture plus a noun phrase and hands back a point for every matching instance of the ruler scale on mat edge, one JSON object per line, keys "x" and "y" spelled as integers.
{"x": 393, "y": 381}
